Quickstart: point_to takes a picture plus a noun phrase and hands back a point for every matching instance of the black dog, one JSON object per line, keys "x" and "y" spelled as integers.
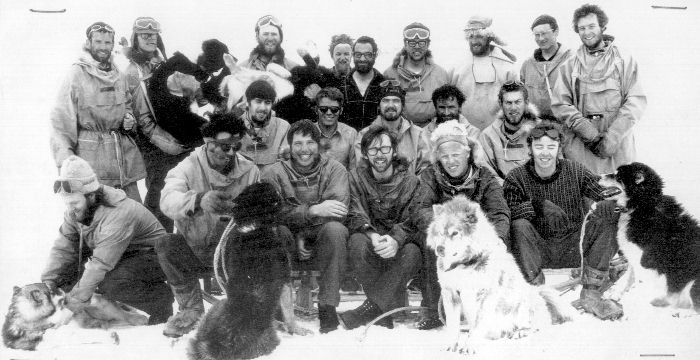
{"x": 658, "y": 234}
{"x": 257, "y": 269}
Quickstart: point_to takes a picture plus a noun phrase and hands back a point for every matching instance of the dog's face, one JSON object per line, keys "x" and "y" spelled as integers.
{"x": 636, "y": 180}
{"x": 257, "y": 202}
{"x": 34, "y": 302}
{"x": 456, "y": 234}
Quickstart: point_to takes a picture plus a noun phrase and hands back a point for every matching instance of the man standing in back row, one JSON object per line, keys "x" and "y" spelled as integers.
{"x": 598, "y": 97}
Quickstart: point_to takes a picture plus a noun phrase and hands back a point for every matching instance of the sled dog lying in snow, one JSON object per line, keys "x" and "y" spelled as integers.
{"x": 481, "y": 282}
{"x": 659, "y": 238}
{"x": 34, "y": 309}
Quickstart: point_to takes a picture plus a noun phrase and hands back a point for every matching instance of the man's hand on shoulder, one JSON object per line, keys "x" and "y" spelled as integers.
{"x": 329, "y": 208}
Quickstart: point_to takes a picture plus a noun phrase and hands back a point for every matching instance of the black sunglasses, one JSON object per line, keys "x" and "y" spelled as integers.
{"x": 333, "y": 109}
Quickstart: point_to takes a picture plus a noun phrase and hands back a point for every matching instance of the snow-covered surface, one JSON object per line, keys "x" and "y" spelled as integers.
{"x": 36, "y": 50}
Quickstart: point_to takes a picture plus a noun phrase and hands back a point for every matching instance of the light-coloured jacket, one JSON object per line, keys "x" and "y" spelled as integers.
{"x": 193, "y": 176}
{"x": 541, "y": 76}
{"x": 606, "y": 85}
{"x": 124, "y": 226}
{"x": 419, "y": 88}
{"x": 413, "y": 145}
{"x": 87, "y": 119}
{"x": 481, "y": 105}
{"x": 272, "y": 141}
{"x": 341, "y": 145}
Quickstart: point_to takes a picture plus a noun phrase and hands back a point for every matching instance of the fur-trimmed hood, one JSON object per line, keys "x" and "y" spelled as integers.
{"x": 531, "y": 113}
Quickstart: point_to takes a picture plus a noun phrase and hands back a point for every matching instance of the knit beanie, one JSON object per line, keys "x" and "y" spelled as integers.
{"x": 212, "y": 57}
{"x": 451, "y": 130}
{"x": 75, "y": 168}
{"x": 260, "y": 89}
{"x": 269, "y": 20}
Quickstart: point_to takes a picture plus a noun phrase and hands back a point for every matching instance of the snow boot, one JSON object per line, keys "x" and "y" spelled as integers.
{"x": 190, "y": 310}
{"x": 328, "y": 318}
{"x": 591, "y": 300}
{"x": 363, "y": 314}
{"x": 429, "y": 320}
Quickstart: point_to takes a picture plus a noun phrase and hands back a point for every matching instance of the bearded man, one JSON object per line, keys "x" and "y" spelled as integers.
{"x": 269, "y": 35}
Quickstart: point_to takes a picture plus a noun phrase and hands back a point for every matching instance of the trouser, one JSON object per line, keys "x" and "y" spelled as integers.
{"x": 158, "y": 163}
{"x": 428, "y": 280}
{"x": 132, "y": 191}
{"x": 328, "y": 242}
{"x": 384, "y": 280}
{"x": 136, "y": 280}
{"x": 179, "y": 263}
{"x": 533, "y": 253}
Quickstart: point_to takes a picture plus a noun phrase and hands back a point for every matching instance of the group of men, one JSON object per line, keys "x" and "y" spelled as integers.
{"x": 359, "y": 181}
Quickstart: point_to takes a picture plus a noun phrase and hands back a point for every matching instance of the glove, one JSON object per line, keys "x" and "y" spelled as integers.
{"x": 596, "y": 145}
{"x": 217, "y": 202}
{"x": 554, "y": 215}
{"x": 586, "y": 130}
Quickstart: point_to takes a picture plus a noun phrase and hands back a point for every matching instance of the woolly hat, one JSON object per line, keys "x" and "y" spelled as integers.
{"x": 260, "y": 89}
{"x": 212, "y": 57}
{"x": 451, "y": 130}
{"x": 75, "y": 168}
{"x": 392, "y": 90}
{"x": 269, "y": 20}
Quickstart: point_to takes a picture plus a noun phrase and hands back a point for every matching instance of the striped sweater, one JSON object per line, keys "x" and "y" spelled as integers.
{"x": 566, "y": 188}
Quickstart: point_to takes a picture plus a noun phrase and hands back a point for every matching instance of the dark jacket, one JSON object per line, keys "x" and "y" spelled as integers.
{"x": 381, "y": 207}
{"x": 435, "y": 189}
{"x": 359, "y": 111}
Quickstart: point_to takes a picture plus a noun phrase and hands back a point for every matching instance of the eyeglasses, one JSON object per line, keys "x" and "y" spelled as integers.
{"x": 145, "y": 36}
{"x": 333, "y": 109}
{"x": 69, "y": 186}
{"x": 268, "y": 20}
{"x": 100, "y": 27}
{"x": 146, "y": 23}
{"x": 367, "y": 55}
{"x": 374, "y": 150}
{"x": 537, "y": 133}
{"x": 416, "y": 33}
{"x": 414, "y": 44}
{"x": 389, "y": 82}
{"x": 226, "y": 146}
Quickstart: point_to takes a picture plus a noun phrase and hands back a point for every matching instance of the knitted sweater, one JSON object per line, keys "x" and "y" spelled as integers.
{"x": 565, "y": 188}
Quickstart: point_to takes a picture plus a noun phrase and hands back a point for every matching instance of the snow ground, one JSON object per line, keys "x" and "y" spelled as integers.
{"x": 38, "y": 48}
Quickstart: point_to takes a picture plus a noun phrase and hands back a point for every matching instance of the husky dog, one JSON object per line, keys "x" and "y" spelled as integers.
{"x": 233, "y": 86}
{"x": 658, "y": 237}
{"x": 257, "y": 268}
{"x": 34, "y": 309}
{"x": 481, "y": 282}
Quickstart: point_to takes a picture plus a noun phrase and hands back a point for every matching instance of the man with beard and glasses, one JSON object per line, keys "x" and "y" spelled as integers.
{"x": 315, "y": 189}
{"x": 337, "y": 139}
{"x": 361, "y": 86}
{"x": 456, "y": 170}
{"x": 541, "y": 71}
{"x": 505, "y": 141}
{"x": 598, "y": 97}
{"x": 269, "y": 35}
{"x": 263, "y": 142}
{"x": 198, "y": 195}
{"x": 93, "y": 116}
{"x": 412, "y": 141}
{"x": 383, "y": 257}
{"x": 448, "y": 100}
{"x": 545, "y": 197}
{"x": 488, "y": 66}
{"x": 341, "y": 53}
{"x": 114, "y": 238}
{"x": 413, "y": 66}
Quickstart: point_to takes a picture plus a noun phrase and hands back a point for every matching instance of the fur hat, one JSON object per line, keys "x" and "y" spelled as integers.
{"x": 212, "y": 57}
{"x": 260, "y": 89}
{"x": 453, "y": 130}
{"x": 269, "y": 20}
{"x": 75, "y": 168}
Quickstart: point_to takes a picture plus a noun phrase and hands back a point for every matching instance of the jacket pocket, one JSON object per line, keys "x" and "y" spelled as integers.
{"x": 602, "y": 96}
{"x": 101, "y": 154}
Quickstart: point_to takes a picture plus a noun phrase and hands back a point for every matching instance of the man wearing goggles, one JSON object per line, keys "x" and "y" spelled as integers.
{"x": 93, "y": 115}
{"x": 505, "y": 141}
{"x": 337, "y": 138}
{"x": 598, "y": 96}
{"x": 418, "y": 74}
{"x": 412, "y": 141}
{"x": 198, "y": 195}
{"x": 269, "y": 35}
{"x": 545, "y": 197}
{"x": 114, "y": 238}
{"x": 486, "y": 69}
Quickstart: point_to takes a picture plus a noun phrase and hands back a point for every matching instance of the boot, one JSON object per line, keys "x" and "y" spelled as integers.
{"x": 361, "y": 315}
{"x": 429, "y": 320}
{"x": 190, "y": 310}
{"x": 328, "y": 318}
{"x": 591, "y": 300}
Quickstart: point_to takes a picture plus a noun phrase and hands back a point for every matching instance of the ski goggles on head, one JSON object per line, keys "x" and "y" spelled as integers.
{"x": 69, "y": 186}
{"x": 537, "y": 133}
{"x": 389, "y": 82}
{"x": 146, "y": 24}
{"x": 268, "y": 20}
{"x": 101, "y": 27}
{"x": 416, "y": 33}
